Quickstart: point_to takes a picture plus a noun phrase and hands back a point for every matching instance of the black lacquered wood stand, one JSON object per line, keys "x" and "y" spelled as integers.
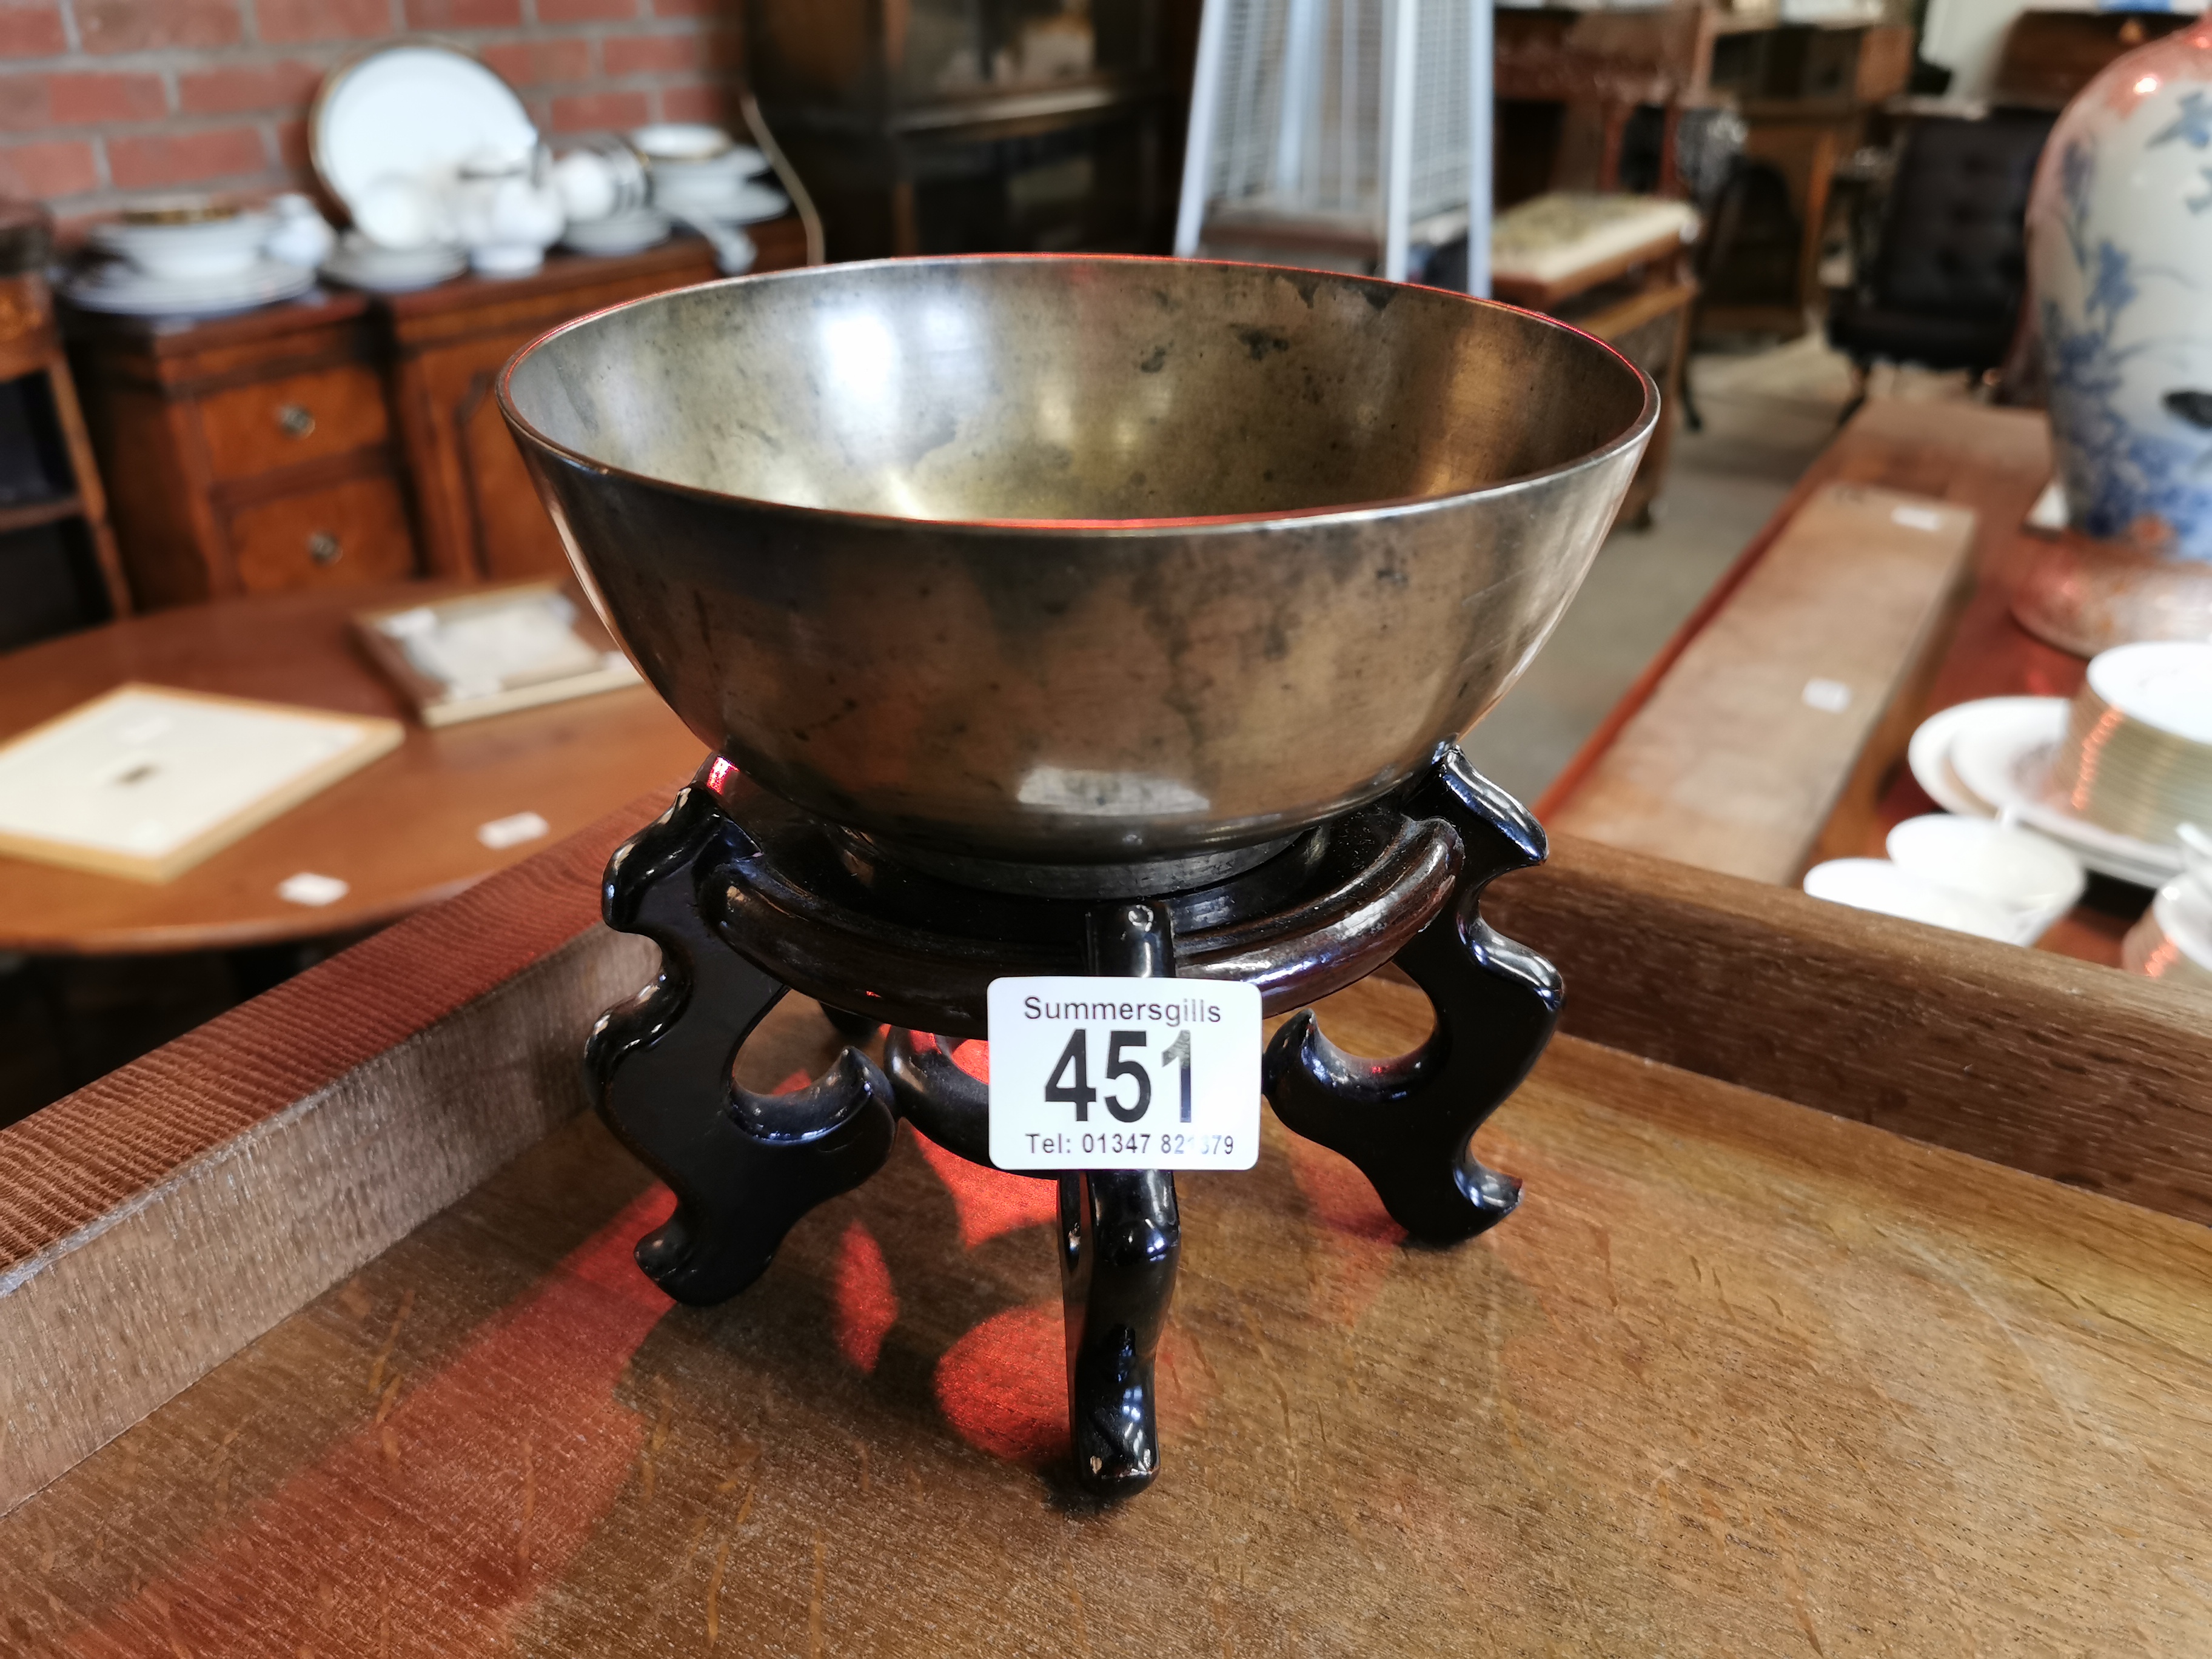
{"x": 749, "y": 897}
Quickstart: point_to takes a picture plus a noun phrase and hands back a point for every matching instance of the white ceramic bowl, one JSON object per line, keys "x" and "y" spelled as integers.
{"x": 194, "y": 249}
{"x": 681, "y": 141}
{"x": 1892, "y": 891}
{"x": 2031, "y": 875}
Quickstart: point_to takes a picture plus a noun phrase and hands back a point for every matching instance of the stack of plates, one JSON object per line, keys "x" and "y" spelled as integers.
{"x": 1994, "y": 758}
{"x": 196, "y": 259}
{"x": 359, "y": 263}
{"x": 2137, "y": 757}
{"x": 127, "y": 290}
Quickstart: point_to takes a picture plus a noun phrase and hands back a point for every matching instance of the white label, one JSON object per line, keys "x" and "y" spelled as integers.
{"x": 1124, "y": 1075}
{"x": 501, "y": 833}
{"x": 311, "y": 888}
{"x": 1916, "y": 517}
{"x": 1829, "y": 697}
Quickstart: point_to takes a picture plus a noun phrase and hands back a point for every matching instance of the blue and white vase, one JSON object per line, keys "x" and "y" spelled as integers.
{"x": 2120, "y": 265}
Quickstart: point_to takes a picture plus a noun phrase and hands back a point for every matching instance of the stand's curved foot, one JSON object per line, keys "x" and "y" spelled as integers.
{"x": 940, "y": 1099}
{"x": 1409, "y": 1122}
{"x": 1120, "y": 1240}
{"x": 744, "y": 1167}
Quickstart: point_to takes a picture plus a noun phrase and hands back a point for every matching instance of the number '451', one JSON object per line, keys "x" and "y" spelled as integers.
{"x": 1070, "y": 1083}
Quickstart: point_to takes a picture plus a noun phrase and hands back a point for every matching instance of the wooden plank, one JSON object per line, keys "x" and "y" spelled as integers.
{"x": 2096, "y": 1078}
{"x": 1735, "y": 763}
{"x": 1737, "y": 1378}
{"x": 1994, "y": 461}
{"x": 300, "y": 1133}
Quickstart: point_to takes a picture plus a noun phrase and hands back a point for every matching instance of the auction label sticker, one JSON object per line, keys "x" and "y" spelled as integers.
{"x": 1124, "y": 1075}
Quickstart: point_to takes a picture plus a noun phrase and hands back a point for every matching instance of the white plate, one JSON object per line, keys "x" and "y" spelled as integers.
{"x": 620, "y": 232}
{"x": 132, "y": 293}
{"x": 2003, "y": 754}
{"x": 394, "y": 270}
{"x": 2167, "y": 684}
{"x": 1930, "y": 753}
{"x": 744, "y": 203}
{"x": 410, "y": 112}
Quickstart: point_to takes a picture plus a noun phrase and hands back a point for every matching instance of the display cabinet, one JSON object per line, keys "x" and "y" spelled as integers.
{"x": 962, "y": 126}
{"x": 343, "y": 438}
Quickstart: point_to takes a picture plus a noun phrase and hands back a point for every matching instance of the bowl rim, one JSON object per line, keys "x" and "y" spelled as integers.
{"x": 1635, "y": 433}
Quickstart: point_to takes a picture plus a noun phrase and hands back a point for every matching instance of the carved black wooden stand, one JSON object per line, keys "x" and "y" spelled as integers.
{"x": 748, "y": 899}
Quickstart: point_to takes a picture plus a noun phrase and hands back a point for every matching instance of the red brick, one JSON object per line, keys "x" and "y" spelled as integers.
{"x": 535, "y": 63}
{"x": 712, "y": 104}
{"x": 601, "y": 111}
{"x": 585, "y": 11}
{"x": 288, "y": 85}
{"x": 684, "y": 8}
{"x": 43, "y": 171}
{"x": 650, "y": 54}
{"x": 29, "y": 103}
{"x": 322, "y": 19}
{"x": 464, "y": 14}
{"x": 186, "y": 158}
{"x": 150, "y": 25}
{"x": 31, "y": 28}
{"x": 292, "y": 151}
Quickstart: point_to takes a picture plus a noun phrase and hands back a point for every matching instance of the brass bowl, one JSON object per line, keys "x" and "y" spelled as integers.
{"x": 1077, "y": 559}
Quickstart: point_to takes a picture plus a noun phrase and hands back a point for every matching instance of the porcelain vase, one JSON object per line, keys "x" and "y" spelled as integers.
{"x": 2120, "y": 265}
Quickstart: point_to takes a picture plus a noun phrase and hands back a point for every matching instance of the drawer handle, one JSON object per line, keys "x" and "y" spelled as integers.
{"x": 325, "y": 549}
{"x": 296, "y": 421}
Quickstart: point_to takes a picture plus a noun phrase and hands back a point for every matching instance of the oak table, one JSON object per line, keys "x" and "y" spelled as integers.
{"x": 325, "y": 1337}
{"x": 401, "y": 832}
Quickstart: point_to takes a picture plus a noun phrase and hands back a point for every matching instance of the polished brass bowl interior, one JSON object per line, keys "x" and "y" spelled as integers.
{"x": 1078, "y": 559}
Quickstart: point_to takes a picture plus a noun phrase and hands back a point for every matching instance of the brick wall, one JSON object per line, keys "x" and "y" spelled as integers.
{"x": 102, "y": 101}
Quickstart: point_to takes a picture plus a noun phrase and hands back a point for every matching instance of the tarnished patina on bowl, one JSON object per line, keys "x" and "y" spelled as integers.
{"x": 1078, "y": 559}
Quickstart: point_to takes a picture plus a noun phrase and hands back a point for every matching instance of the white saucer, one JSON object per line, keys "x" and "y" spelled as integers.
{"x": 126, "y": 290}
{"x": 1930, "y": 752}
{"x": 2000, "y": 751}
{"x": 394, "y": 270}
{"x": 618, "y": 233}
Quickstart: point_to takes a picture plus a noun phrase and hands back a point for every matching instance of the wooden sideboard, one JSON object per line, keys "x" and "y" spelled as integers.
{"x": 343, "y": 438}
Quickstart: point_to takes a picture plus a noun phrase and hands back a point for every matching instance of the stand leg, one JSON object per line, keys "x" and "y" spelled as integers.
{"x": 744, "y": 1167}
{"x": 1120, "y": 1240}
{"x": 1409, "y": 1123}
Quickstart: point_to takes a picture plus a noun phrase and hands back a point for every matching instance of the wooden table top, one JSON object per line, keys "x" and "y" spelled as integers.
{"x": 1737, "y": 1378}
{"x": 1995, "y": 461}
{"x": 401, "y": 832}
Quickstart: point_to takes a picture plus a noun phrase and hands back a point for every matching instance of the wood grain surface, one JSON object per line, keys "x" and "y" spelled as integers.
{"x": 1734, "y": 763}
{"x": 400, "y": 833}
{"x": 1737, "y": 1378}
{"x": 1992, "y": 461}
{"x": 2091, "y": 1076}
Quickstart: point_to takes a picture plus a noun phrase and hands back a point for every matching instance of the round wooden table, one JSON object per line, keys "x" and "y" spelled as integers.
{"x": 401, "y": 833}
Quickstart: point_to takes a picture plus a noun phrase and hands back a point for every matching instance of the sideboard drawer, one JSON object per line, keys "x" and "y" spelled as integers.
{"x": 344, "y": 533}
{"x": 256, "y": 429}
